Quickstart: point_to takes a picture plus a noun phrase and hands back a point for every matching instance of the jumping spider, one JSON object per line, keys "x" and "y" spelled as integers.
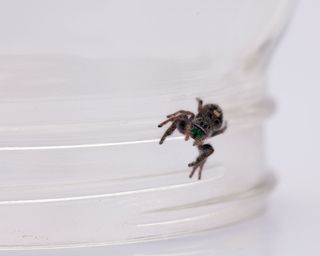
{"x": 207, "y": 123}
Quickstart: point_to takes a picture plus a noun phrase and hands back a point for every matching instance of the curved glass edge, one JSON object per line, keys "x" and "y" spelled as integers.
{"x": 221, "y": 211}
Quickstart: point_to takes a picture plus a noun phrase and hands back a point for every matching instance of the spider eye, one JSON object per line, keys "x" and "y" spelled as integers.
{"x": 201, "y": 123}
{"x": 216, "y": 122}
{"x": 205, "y": 126}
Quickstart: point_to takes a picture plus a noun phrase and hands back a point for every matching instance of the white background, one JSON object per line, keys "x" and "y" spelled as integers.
{"x": 293, "y": 135}
{"x": 291, "y": 226}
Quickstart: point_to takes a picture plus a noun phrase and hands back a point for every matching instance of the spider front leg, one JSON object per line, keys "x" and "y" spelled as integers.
{"x": 168, "y": 132}
{"x": 182, "y": 112}
{"x": 177, "y": 115}
{"x": 167, "y": 121}
{"x": 205, "y": 151}
{"x": 200, "y": 170}
{"x": 182, "y": 118}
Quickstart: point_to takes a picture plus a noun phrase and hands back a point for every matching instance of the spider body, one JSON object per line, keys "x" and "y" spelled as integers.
{"x": 207, "y": 123}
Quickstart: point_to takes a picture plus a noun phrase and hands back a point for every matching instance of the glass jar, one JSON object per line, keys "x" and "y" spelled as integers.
{"x": 84, "y": 85}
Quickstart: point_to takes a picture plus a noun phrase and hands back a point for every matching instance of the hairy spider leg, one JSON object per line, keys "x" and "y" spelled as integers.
{"x": 169, "y": 131}
{"x": 200, "y": 104}
{"x": 205, "y": 151}
{"x": 200, "y": 170}
{"x": 222, "y": 130}
{"x": 181, "y": 112}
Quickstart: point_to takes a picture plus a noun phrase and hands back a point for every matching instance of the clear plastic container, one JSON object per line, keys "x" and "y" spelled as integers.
{"x": 84, "y": 85}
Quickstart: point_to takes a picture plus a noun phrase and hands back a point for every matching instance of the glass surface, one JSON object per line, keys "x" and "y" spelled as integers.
{"x": 84, "y": 85}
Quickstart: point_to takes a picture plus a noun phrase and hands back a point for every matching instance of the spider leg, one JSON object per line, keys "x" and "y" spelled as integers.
{"x": 175, "y": 115}
{"x": 222, "y": 130}
{"x": 205, "y": 151}
{"x": 200, "y": 170}
{"x": 168, "y": 132}
{"x": 181, "y": 112}
{"x": 187, "y": 131}
{"x": 200, "y": 104}
{"x": 167, "y": 121}
{"x": 192, "y": 172}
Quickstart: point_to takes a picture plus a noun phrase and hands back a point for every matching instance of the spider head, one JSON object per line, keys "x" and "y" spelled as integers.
{"x": 208, "y": 120}
{"x": 213, "y": 115}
